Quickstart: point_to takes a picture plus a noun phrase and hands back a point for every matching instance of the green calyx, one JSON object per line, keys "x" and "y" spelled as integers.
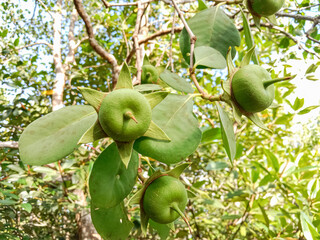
{"x": 165, "y": 200}
{"x": 125, "y": 115}
{"x": 264, "y": 8}
{"x": 252, "y": 88}
{"x": 149, "y": 74}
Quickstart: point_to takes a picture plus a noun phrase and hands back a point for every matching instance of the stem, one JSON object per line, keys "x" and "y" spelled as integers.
{"x": 193, "y": 37}
{"x": 130, "y": 115}
{"x": 176, "y": 208}
{"x": 272, "y": 81}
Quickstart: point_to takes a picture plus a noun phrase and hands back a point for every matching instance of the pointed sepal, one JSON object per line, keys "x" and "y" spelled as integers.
{"x": 273, "y": 19}
{"x": 154, "y": 131}
{"x": 247, "y": 58}
{"x": 231, "y": 68}
{"x": 256, "y": 20}
{"x": 93, "y": 97}
{"x": 177, "y": 171}
{"x": 144, "y": 220}
{"x": 94, "y": 133}
{"x": 146, "y": 60}
{"x": 256, "y": 120}
{"x": 125, "y": 151}
{"x": 155, "y": 98}
{"x": 124, "y": 80}
{"x": 136, "y": 198}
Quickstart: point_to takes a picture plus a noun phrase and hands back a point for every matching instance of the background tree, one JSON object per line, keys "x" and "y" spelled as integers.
{"x": 50, "y": 48}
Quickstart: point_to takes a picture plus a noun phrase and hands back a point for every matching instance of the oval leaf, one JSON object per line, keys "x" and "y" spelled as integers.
{"x": 175, "y": 117}
{"x": 209, "y": 57}
{"x": 111, "y": 223}
{"x": 213, "y": 28}
{"x": 228, "y": 137}
{"x": 110, "y": 181}
{"x": 176, "y": 82}
{"x": 55, "y": 135}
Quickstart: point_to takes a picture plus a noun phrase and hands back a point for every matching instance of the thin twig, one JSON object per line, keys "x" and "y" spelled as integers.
{"x": 171, "y": 41}
{"x": 94, "y": 43}
{"x": 9, "y": 144}
{"x": 136, "y": 41}
{"x": 193, "y": 38}
{"x": 40, "y": 42}
{"x": 45, "y": 7}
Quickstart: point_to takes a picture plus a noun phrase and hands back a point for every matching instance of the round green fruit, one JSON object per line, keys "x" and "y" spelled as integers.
{"x": 252, "y": 88}
{"x": 165, "y": 199}
{"x": 264, "y": 8}
{"x": 149, "y": 74}
{"x": 125, "y": 115}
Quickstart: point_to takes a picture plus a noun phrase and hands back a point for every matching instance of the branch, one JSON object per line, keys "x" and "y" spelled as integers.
{"x": 45, "y": 7}
{"x": 9, "y": 144}
{"x": 153, "y": 36}
{"x": 193, "y": 37}
{"x": 299, "y": 17}
{"x": 71, "y": 43}
{"x": 41, "y": 42}
{"x": 136, "y": 41}
{"x": 94, "y": 44}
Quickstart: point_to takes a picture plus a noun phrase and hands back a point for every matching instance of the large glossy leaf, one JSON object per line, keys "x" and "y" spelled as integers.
{"x": 111, "y": 223}
{"x": 228, "y": 137}
{"x": 175, "y": 117}
{"x": 176, "y": 82}
{"x": 206, "y": 56}
{"x": 212, "y": 28}
{"x": 110, "y": 181}
{"x": 55, "y": 135}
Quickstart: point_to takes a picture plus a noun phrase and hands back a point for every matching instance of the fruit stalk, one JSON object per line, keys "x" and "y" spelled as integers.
{"x": 130, "y": 115}
{"x": 176, "y": 208}
{"x": 272, "y": 81}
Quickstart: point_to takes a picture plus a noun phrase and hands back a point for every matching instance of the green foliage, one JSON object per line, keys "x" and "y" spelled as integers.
{"x": 270, "y": 190}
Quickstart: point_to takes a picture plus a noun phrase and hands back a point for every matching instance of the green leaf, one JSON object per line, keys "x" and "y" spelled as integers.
{"x": 210, "y": 135}
{"x": 201, "y": 5}
{"x": 308, "y": 109}
{"x": 154, "y": 131}
{"x": 55, "y": 135}
{"x": 213, "y": 165}
{"x": 95, "y": 132}
{"x": 248, "y": 36}
{"x": 273, "y": 19}
{"x": 155, "y": 98}
{"x": 228, "y": 137}
{"x": 124, "y": 80}
{"x": 174, "y": 115}
{"x": 265, "y": 216}
{"x": 110, "y": 181}
{"x": 111, "y": 223}
{"x": 309, "y": 230}
{"x": 147, "y": 87}
{"x": 27, "y": 207}
{"x": 209, "y": 57}
{"x": 298, "y": 103}
{"x": 177, "y": 171}
{"x": 93, "y": 97}
{"x": 213, "y": 28}
{"x": 176, "y": 82}
{"x": 162, "y": 229}
{"x": 125, "y": 151}
{"x": 312, "y": 68}
{"x": 272, "y": 159}
{"x": 7, "y": 202}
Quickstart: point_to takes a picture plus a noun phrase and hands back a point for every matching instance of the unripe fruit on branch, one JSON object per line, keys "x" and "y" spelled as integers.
{"x": 149, "y": 74}
{"x": 165, "y": 200}
{"x": 264, "y": 8}
{"x": 252, "y": 88}
{"x": 125, "y": 115}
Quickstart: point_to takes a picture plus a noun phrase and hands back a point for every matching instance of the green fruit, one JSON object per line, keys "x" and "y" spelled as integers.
{"x": 252, "y": 88}
{"x": 125, "y": 115}
{"x": 149, "y": 74}
{"x": 165, "y": 199}
{"x": 264, "y": 8}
